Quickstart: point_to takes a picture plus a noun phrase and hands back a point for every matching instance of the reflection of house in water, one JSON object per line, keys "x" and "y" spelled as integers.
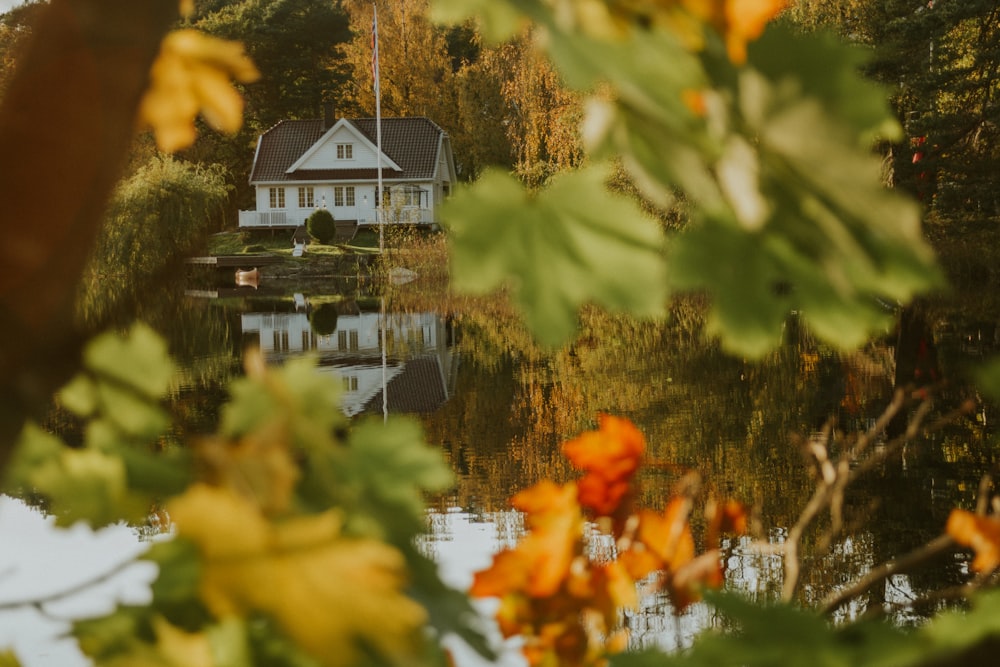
{"x": 419, "y": 368}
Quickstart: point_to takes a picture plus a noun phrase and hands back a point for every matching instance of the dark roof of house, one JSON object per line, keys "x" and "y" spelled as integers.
{"x": 419, "y": 389}
{"x": 412, "y": 143}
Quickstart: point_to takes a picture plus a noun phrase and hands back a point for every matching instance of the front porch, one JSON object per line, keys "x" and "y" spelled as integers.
{"x": 364, "y": 218}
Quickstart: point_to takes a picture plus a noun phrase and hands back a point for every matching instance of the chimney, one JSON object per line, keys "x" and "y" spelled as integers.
{"x": 328, "y": 114}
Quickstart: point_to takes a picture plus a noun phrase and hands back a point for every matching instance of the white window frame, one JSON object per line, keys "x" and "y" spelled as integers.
{"x": 307, "y": 197}
{"x": 276, "y": 197}
{"x": 344, "y": 195}
{"x": 345, "y": 151}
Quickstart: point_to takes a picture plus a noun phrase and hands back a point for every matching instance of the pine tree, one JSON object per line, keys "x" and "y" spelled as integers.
{"x": 940, "y": 61}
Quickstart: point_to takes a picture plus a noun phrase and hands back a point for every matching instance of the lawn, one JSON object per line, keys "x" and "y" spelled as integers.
{"x": 238, "y": 243}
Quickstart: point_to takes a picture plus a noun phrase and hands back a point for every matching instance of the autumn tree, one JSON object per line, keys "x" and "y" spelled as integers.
{"x": 295, "y": 45}
{"x": 415, "y": 69}
{"x": 15, "y": 28}
{"x": 481, "y": 138}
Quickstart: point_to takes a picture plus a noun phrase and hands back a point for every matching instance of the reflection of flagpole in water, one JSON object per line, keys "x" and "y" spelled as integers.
{"x": 385, "y": 393}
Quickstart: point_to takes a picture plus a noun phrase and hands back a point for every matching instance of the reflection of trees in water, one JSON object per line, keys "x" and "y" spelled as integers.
{"x": 730, "y": 419}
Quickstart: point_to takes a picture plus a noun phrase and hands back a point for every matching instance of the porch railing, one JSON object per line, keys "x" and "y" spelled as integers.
{"x": 265, "y": 219}
{"x": 407, "y": 216}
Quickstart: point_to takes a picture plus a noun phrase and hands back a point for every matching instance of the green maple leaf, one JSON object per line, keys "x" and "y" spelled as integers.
{"x": 567, "y": 245}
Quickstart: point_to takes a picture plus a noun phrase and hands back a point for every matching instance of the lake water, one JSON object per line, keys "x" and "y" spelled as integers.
{"x": 499, "y": 408}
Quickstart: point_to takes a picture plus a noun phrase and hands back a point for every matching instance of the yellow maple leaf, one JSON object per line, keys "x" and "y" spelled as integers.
{"x": 328, "y": 593}
{"x": 258, "y": 466}
{"x": 181, "y": 648}
{"x": 191, "y": 75}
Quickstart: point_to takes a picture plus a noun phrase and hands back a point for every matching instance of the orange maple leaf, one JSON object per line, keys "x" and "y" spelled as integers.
{"x": 540, "y": 562}
{"x": 668, "y": 535}
{"x": 745, "y": 21}
{"x": 609, "y": 457}
{"x": 980, "y": 533}
{"x": 666, "y": 538}
{"x": 726, "y": 517}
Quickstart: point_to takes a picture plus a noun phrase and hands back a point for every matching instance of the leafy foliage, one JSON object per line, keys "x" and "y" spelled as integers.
{"x": 321, "y": 226}
{"x": 155, "y": 218}
{"x": 564, "y": 605}
{"x": 788, "y": 213}
{"x": 277, "y": 520}
{"x": 566, "y": 249}
{"x": 191, "y": 75}
{"x": 295, "y": 530}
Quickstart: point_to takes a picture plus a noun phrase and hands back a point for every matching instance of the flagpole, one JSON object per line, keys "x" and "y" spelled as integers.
{"x": 378, "y": 131}
{"x": 379, "y": 196}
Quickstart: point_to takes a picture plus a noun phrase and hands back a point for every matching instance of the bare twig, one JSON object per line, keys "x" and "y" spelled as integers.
{"x": 934, "y": 548}
{"x": 40, "y": 601}
{"x": 834, "y": 478}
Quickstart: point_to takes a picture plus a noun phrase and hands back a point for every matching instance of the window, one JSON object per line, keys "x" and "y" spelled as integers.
{"x": 408, "y": 196}
{"x": 343, "y": 195}
{"x": 308, "y": 340}
{"x": 306, "y": 198}
{"x": 345, "y": 151}
{"x": 277, "y": 196}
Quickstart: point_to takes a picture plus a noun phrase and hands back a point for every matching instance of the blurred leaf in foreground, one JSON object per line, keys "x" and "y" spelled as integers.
{"x": 566, "y": 245}
{"x": 335, "y": 596}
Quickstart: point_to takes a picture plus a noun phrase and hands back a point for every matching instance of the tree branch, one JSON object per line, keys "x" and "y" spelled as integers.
{"x": 66, "y": 124}
{"x": 918, "y": 556}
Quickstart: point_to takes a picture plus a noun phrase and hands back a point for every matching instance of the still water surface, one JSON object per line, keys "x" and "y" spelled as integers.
{"x": 499, "y": 408}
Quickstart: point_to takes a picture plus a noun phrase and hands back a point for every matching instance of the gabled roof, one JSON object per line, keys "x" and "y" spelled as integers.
{"x": 412, "y": 143}
{"x": 419, "y": 389}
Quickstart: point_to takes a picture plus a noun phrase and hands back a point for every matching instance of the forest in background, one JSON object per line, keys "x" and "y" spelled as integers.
{"x": 504, "y": 105}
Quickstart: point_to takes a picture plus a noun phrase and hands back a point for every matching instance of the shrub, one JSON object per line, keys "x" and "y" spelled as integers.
{"x": 321, "y": 226}
{"x": 323, "y": 320}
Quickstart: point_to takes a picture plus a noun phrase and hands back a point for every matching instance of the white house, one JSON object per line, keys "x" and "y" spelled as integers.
{"x": 417, "y": 374}
{"x": 302, "y": 165}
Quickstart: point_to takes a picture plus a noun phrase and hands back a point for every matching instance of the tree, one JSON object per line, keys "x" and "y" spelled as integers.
{"x": 940, "y": 60}
{"x": 295, "y": 44}
{"x": 415, "y": 69}
{"x": 15, "y": 29}
{"x": 58, "y": 68}
{"x": 156, "y": 217}
{"x": 480, "y": 138}
{"x": 543, "y": 114}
